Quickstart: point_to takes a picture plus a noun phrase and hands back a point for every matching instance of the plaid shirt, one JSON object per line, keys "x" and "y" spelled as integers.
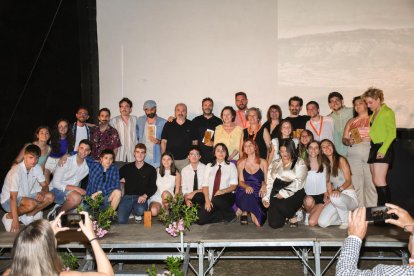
{"x": 100, "y": 180}
{"x": 348, "y": 261}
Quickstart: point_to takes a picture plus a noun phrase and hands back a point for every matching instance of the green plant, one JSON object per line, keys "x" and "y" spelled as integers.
{"x": 70, "y": 261}
{"x": 177, "y": 209}
{"x": 173, "y": 268}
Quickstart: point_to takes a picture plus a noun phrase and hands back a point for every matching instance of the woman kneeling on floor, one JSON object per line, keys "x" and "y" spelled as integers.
{"x": 285, "y": 181}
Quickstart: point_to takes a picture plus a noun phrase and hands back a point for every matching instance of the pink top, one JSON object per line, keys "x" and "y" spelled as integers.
{"x": 363, "y": 127}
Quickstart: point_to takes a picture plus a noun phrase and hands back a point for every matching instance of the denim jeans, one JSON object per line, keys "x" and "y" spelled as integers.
{"x": 128, "y": 204}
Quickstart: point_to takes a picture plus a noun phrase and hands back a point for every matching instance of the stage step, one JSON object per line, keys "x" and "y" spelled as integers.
{"x": 142, "y": 256}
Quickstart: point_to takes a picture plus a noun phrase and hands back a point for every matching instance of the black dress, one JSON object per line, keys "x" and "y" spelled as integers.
{"x": 258, "y": 139}
{"x": 275, "y": 132}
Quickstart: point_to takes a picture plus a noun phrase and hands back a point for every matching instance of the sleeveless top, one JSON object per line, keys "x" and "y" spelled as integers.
{"x": 259, "y": 141}
{"x": 315, "y": 183}
{"x": 166, "y": 182}
{"x": 337, "y": 180}
{"x": 362, "y": 125}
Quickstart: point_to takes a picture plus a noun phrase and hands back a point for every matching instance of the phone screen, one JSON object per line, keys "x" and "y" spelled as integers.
{"x": 378, "y": 214}
{"x": 72, "y": 220}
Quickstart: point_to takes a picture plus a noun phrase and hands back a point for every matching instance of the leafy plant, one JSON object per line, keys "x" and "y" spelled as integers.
{"x": 178, "y": 210}
{"x": 70, "y": 261}
{"x": 173, "y": 268}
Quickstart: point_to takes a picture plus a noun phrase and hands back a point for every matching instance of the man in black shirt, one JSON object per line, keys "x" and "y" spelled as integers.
{"x": 204, "y": 127}
{"x": 138, "y": 180}
{"x": 298, "y": 121}
{"x": 178, "y": 136}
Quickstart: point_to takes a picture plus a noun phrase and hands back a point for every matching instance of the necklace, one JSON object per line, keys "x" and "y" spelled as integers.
{"x": 251, "y": 132}
{"x": 318, "y": 133}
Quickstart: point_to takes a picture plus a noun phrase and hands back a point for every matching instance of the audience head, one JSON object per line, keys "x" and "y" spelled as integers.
{"x": 104, "y": 116}
{"x": 274, "y": 113}
{"x": 373, "y": 97}
{"x": 150, "y": 108}
{"x": 167, "y": 163}
{"x": 228, "y": 114}
{"x": 194, "y": 154}
{"x": 314, "y": 151}
{"x": 220, "y": 154}
{"x": 180, "y": 111}
{"x": 287, "y": 149}
{"x": 107, "y": 157}
{"x": 42, "y": 134}
{"x": 285, "y": 130}
{"x": 82, "y": 115}
{"x": 254, "y": 115}
{"x": 295, "y": 105}
{"x": 241, "y": 100}
{"x": 125, "y": 107}
{"x": 207, "y": 105}
{"x": 250, "y": 147}
{"x": 306, "y": 136}
{"x": 31, "y": 155}
{"x": 312, "y": 108}
{"x": 329, "y": 151}
{"x": 84, "y": 148}
{"x": 61, "y": 131}
{"x": 34, "y": 251}
{"x": 335, "y": 101}
{"x": 139, "y": 152}
{"x": 360, "y": 106}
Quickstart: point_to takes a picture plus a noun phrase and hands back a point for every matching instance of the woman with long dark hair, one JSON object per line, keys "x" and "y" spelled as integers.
{"x": 274, "y": 116}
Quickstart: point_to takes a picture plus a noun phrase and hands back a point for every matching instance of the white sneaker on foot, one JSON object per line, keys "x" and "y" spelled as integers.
{"x": 7, "y": 222}
{"x": 131, "y": 216}
{"x": 25, "y": 219}
{"x": 299, "y": 215}
{"x": 138, "y": 219}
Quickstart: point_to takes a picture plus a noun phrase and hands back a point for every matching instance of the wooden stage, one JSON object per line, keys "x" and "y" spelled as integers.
{"x": 208, "y": 243}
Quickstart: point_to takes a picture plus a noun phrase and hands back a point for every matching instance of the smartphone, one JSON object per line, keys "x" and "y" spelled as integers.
{"x": 379, "y": 214}
{"x": 72, "y": 220}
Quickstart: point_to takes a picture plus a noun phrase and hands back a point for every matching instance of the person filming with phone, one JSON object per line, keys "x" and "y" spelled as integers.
{"x": 357, "y": 229}
{"x": 34, "y": 249}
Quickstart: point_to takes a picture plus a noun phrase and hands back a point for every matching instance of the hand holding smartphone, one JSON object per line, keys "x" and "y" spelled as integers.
{"x": 72, "y": 220}
{"x": 378, "y": 214}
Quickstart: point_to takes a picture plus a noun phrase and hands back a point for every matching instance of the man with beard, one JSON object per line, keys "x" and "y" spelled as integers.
{"x": 340, "y": 115}
{"x": 298, "y": 121}
{"x": 241, "y": 103}
{"x": 104, "y": 136}
{"x": 80, "y": 129}
{"x": 204, "y": 126}
{"x": 126, "y": 125}
{"x": 178, "y": 136}
{"x": 149, "y": 129}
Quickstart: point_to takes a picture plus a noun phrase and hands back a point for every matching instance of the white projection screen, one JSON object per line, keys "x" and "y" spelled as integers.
{"x": 185, "y": 50}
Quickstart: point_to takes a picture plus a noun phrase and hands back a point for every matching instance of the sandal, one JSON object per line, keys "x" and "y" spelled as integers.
{"x": 243, "y": 220}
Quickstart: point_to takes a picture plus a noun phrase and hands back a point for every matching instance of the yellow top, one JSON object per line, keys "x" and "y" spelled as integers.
{"x": 232, "y": 140}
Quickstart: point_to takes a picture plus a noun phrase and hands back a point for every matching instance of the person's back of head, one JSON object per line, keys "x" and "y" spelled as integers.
{"x": 34, "y": 251}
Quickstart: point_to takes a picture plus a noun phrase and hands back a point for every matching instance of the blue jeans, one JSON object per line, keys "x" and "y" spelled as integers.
{"x": 128, "y": 204}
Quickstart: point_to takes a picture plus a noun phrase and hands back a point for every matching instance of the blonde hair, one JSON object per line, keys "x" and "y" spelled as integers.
{"x": 374, "y": 93}
{"x": 34, "y": 251}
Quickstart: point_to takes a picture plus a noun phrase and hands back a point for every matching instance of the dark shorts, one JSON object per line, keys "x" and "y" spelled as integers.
{"x": 318, "y": 198}
{"x": 388, "y": 158}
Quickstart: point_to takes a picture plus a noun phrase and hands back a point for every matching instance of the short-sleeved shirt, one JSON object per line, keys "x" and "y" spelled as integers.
{"x": 187, "y": 177}
{"x": 201, "y": 124}
{"x": 179, "y": 138}
{"x": 228, "y": 176}
{"x": 232, "y": 140}
{"x": 22, "y": 181}
{"x": 139, "y": 181}
{"x": 69, "y": 174}
{"x": 109, "y": 139}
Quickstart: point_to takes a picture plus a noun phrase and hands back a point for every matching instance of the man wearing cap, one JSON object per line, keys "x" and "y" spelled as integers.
{"x": 149, "y": 129}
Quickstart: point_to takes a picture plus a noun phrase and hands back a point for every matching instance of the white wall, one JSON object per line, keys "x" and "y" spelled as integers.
{"x": 184, "y": 50}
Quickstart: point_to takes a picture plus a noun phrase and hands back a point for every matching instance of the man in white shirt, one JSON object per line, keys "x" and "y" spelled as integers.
{"x": 126, "y": 125}
{"x": 66, "y": 178}
{"x": 80, "y": 129}
{"x": 22, "y": 197}
{"x": 192, "y": 177}
{"x": 322, "y": 127}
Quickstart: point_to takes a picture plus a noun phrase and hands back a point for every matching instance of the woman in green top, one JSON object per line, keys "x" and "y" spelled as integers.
{"x": 382, "y": 132}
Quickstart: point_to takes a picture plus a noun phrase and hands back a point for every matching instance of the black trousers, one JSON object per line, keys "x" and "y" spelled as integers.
{"x": 282, "y": 209}
{"x": 222, "y": 208}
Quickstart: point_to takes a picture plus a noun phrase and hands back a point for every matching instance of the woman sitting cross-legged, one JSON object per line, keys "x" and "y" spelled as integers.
{"x": 316, "y": 184}
{"x": 168, "y": 184}
{"x": 219, "y": 183}
{"x": 284, "y": 191}
{"x": 342, "y": 196}
{"x": 252, "y": 172}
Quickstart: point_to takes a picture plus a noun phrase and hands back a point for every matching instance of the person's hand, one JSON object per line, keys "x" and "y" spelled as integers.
{"x": 249, "y": 190}
{"x": 335, "y": 194}
{"x": 15, "y": 227}
{"x": 81, "y": 191}
{"x": 219, "y": 192}
{"x": 208, "y": 205}
{"x": 94, "y": 195}
{"x": 142, "y": 199}
{"x": 262, "y": 191}
{"x": 63, "y": 160}
{"x": 404, "y": 218}
{"x": 40, "y": 197}
{"x": 279, "y": 196}
{"x": 153, "y": 140}
{"x": 87, "y": 227}
{"x": 170, "y": 119}
{"x": 380, "y": 155}
{"x": 56, "y": 224}
{"x": 266, "y": 203}
{"x": 357, "y": 225}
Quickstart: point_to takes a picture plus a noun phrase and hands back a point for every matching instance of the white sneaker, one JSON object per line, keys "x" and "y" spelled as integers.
{"x": 343, "y": 226}
{"x": 52, "y": 214}
{"x": 138, "y": 219}
{"x": 131, "y": 216}
{"x": 7, "y": 222}
{"x": 38, "y": 215}
{"x": 307, "y": 219}
{"x": 299, "y": 215}
{"x": 25, "y": 219}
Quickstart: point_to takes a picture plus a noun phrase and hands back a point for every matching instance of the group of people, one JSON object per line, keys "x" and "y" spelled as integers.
{"x": 229, "y": 166}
